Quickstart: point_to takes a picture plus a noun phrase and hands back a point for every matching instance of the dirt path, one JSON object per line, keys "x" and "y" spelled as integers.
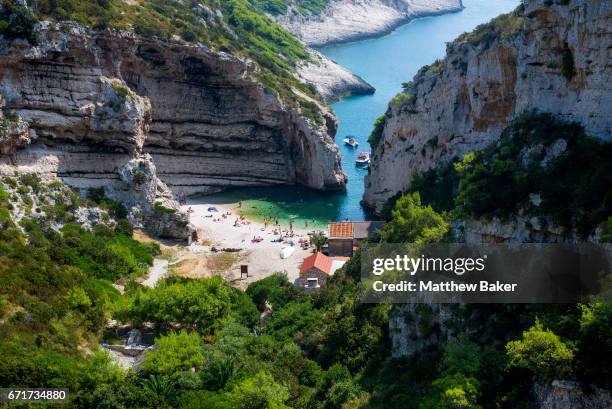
{"x": 158, "y": 271}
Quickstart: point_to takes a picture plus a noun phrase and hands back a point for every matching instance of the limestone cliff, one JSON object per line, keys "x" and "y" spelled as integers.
{"x": 134, "y": 115}
{"x": 65, "y": 119}
{"x": 350, "y": 20}
{"x": 561, "y": 394}
{"x": 331, "y": 80}
{"x": 546, "y": 57}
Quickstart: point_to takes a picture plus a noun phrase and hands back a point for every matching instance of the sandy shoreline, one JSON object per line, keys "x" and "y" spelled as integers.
{"x": 263, "y": 258}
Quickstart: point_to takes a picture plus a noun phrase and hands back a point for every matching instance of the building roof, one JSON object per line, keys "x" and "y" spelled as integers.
{"x": 353, "y": 230}
{"x": 318, "y": 260}
{"x": 322, "y": 262}
{"x": 363, "y": 230}
{"x": 341, "y": 229}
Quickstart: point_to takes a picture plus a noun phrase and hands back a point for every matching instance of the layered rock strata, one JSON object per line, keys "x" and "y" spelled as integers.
{"x": 136, "y": 116}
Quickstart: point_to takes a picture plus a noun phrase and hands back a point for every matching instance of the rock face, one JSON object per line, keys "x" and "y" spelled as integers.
{"x": 555, "y": 61}
{"x": 331, "y": 80}
{"x": 350, "y": 20}
{"x": 561, "y": 394}
{"x": 105, "y": 109}
{"x": 414, "y": 327}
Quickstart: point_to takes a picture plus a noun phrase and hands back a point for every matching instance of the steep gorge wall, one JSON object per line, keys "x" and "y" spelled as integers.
{"x": 462, "y": 103}
{"x": 195, "y": 120}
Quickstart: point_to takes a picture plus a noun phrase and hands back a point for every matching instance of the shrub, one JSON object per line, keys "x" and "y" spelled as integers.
{"x": 32, "y": 180}
{"x": 412, "y": 222}
{"x": 435, "y": 68}
{"x": 276, "y": 7}
{"x": 77, "y": 298}
{"x": 500, "y": 27}
{"x": 10, "y": 181}
{"x": 275, "y": 289}
{"x": 17, "y": 21}
{"x": 159, "y": 206}
{"x": 452, "y": 391}
{"x": 197, "y": 304}
{"x": 173, "y": 353}
{"x": 122, "y": 90}
{"x": 4, "y": 196}
{"x": 3, "y": 306}
{"x": 606, "y": 231}
{"x": 376, "y": 134}
{"x": 595, "y": 336}
{"x": 138, "y": 177}
{"x": 401, "y": 99}
{"x": 124, "y": 227}
{"x": 259, "y": 391}
{"x": 437, "y": 186}
{"x": 542, "y": 352}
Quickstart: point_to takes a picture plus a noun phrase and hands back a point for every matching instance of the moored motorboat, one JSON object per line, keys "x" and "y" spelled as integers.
{"x": 363, "y": 159}
{"x": 350, "y": 141}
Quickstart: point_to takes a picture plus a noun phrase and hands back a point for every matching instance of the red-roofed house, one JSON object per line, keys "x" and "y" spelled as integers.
{"x": 345, "y": 237}
{"x": 316, "y": 269}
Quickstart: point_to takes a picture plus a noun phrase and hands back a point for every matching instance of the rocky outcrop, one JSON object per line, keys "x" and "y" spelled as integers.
{"x": 14, "y": 133}
{"x": 350, "y": 20}
{"x": 331, "y": 80}
{"x": 136, "y": 116}
{"x": 414, "y": 327}
{"x": 561, "y": 394}
{"x": 551, "y": 58}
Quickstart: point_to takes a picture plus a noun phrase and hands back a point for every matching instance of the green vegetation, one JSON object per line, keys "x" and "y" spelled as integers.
{"x": 276, "y": 7}
{"x": 606, "y": 233}
{"x": 175, "y": 352}
{"x": 193, "y": 304}
{"x": 436, "y": 67}
{"x": 121, "y": 90}
{"x": 376, "y": 134}
{"x": 319, "y": 351}
{"x": 412, "y": 222}
{"x": 159, "y": 206}
{"x": 499, "y": 28}
{"x": 56, "y": 294}
{"x": 401, "y": 99}
{"x": 542, "y": 352}
{"x": 533, "y": 151}
{"x": 16, "y": 21}
{"x": 437, "y": 187}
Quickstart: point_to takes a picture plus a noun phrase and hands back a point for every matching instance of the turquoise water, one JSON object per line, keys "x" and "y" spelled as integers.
{"x": 385, "y": 63}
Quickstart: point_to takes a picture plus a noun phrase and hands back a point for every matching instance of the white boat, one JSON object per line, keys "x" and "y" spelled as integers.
{"x": 350, "y": 141}
{"x": 287, "y": 251}
{"x": 363, "y": 159}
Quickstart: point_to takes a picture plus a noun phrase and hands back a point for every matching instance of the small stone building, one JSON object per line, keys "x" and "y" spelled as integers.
{"x": 345, "y": 237}
{"x": 316, "y": 270}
